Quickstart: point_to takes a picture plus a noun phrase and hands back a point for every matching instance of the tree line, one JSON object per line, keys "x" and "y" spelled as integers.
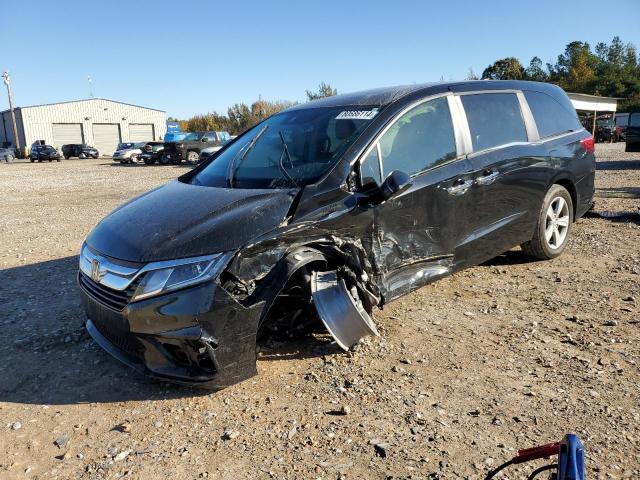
{"x": 610, "y": 70}
{"x": 241, "y": 116}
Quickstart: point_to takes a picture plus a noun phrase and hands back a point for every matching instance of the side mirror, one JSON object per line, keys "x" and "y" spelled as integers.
{"x": 204, "y": 139}
{"x": 397, "y": 182}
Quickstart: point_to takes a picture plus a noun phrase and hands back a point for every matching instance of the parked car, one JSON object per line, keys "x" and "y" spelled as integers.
{"x": 340, "y": 205}
{"x": 189, "y": 148}
{"x": 606, "y": 129}
{"x": 128, "y": 152}
{"x": 633, "y": 133}
{"x": 44, "y": 152}
{"x": 7, "y": 155}
{"x": 622, "y": 121}
{"x": 79, "y": 150}
{"x": 151, "y": 152}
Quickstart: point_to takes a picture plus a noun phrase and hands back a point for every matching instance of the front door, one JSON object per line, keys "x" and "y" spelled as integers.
{"x": 415, "y": 233}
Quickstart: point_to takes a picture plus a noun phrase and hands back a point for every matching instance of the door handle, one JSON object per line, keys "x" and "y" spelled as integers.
{"x": 488, "y": 177}
{"x": 459, "y": 187}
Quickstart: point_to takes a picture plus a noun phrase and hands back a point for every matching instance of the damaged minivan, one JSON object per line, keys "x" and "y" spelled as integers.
{"x": 328, "y": 210}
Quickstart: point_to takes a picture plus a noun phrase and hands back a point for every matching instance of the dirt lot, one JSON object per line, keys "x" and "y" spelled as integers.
{"x": 503, "y": 356}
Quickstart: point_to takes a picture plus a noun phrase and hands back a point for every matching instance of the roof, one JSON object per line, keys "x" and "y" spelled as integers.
{"x": 387, "y": 95}
{"x": 377, "y": 96}
{"x": 84, "y": 100}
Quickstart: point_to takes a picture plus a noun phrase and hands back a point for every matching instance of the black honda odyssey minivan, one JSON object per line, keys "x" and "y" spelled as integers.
{"x": 327, "y": 210}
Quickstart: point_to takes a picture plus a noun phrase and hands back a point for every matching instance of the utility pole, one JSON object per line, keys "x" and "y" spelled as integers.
{"x": 7, "y": 81}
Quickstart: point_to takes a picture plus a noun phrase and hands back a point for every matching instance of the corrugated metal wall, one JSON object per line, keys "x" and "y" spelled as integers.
{"x": 38, "y": 120}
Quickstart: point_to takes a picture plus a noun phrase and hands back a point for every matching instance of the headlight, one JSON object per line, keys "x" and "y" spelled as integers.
{"x": 162, "y": 277}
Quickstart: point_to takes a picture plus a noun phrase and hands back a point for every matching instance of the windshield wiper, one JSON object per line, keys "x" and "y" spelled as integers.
{"x": 285, "y": 151}
{"x": 252, "y": 143}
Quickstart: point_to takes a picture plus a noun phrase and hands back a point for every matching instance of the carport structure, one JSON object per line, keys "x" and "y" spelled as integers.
{"x": 594, "y": 104}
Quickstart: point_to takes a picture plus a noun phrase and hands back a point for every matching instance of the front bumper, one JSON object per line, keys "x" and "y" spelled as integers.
{"x": 200, "y": 336}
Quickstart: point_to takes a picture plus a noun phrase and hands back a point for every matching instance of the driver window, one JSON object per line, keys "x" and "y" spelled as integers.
{"x": 420, "y": 139}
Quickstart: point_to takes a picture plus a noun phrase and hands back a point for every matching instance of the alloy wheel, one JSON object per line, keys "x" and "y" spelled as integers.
{"x": 557, "y": 223}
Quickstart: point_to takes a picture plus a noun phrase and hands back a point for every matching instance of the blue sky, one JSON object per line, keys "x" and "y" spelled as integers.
{"x": 190, "y": 57}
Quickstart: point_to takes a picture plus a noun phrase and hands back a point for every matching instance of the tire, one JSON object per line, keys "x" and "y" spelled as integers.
{"x": 32, "y": 160}
{"x": 50, "y": 160}
{"x": 57, "y": 159}
{"x": 553, "y": 226}
{"x": 66, "y": 157}
{"x": 149, "y": 161}
{"x": 192, "y": 157}
{"x": 82, "y": 156}
{"x": 164, "y": 160}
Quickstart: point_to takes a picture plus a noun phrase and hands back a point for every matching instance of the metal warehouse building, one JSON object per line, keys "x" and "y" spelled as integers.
{"x": 98, "y": 122}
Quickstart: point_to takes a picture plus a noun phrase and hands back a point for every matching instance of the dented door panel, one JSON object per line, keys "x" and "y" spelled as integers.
{"x": 415, "y": 234}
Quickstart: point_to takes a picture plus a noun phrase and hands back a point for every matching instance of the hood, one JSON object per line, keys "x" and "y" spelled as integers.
{"x": 181, "y": 220}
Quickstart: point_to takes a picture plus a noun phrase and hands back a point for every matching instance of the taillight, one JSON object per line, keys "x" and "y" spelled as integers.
{"x": 589, "y": 144}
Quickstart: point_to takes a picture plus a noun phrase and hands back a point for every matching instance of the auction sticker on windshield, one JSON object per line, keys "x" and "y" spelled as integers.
{"x": 357, "y": 114}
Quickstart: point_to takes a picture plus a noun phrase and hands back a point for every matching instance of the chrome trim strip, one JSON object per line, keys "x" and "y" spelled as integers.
{"x": 109, "y": 274}
{"x": 559, "y": 135}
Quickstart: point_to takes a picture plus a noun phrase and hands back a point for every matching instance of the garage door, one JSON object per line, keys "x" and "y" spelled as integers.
{"x": 106, "y": 137}
{"x": 64, "y": 133}
{"x": 141, "y": 132}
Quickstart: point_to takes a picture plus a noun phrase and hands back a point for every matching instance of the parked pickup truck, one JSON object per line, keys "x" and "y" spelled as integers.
{"x": 189, "y": 148}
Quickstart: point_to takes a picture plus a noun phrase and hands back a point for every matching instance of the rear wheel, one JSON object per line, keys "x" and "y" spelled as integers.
{"x": 554, "y": 225}
{"x": 192, "y": 158}
{"x": 164, "y": 160}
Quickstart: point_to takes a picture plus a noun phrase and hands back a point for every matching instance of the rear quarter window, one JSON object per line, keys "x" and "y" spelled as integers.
{"x": 494, "y": 119}
{"x": 551, "y": 117}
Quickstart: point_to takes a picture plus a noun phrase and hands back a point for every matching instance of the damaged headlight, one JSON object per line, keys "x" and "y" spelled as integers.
{"x": 162, "y": 277}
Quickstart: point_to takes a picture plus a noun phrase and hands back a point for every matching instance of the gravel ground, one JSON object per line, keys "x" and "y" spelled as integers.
{"x": 506, "y": 355}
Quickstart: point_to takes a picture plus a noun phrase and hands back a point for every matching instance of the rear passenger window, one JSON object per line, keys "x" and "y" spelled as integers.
{"x": 551, "y": 117}
{"x": 420, "y": 139}
{"x": 494, "y": 119}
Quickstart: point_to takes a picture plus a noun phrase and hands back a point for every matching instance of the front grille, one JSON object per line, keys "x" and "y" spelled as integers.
{"x": 114, "y": 299}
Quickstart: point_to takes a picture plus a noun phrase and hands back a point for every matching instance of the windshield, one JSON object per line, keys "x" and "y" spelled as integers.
{"x": 192, "y": 137}
{"x": 292, "y": 148}
{"x": 125, "y": 146}
{"x": 174, "y": 137}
